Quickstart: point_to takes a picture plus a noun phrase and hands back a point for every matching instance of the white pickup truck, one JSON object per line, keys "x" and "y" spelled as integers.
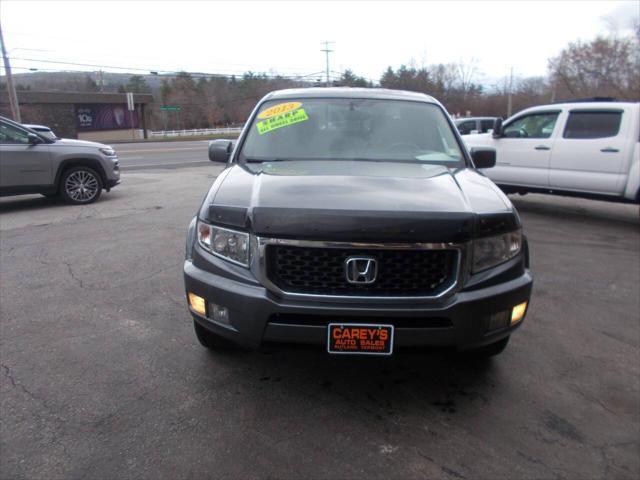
{"x": 587, "y": 149}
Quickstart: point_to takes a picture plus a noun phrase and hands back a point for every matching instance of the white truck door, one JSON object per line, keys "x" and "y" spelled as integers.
{"x": 590, "y": 154}
{"x": 524, "y": 150}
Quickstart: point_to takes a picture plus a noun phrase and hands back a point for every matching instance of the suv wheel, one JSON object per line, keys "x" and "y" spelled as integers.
{"x": 80, "y": 185}
{"x": 211, "y": 340}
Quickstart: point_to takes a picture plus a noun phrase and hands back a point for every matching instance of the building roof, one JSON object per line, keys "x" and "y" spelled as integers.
{"x": 29, "y": 96}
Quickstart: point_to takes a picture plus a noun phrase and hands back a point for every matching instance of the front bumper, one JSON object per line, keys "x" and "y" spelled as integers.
{"x": 257, "y": 315}
{"x": 111, "y": 183}
{"x": 112, "y": 173}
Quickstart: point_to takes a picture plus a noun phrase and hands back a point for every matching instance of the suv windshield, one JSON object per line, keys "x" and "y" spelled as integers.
{"x": 351, "y": 129}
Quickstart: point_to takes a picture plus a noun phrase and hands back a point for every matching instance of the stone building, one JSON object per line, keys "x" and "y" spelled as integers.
{"x": 87, "y": 116}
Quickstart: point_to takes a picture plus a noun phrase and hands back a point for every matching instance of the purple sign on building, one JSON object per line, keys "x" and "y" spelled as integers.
{"x": 113, "y": 116}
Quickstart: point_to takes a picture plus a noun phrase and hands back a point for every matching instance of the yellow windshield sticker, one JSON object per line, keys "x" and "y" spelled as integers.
{"x": 284, "y": 120}
{"x": 279, "y": 109}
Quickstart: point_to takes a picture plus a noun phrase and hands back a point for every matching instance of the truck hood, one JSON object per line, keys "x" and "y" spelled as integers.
{"x": 354, "y": 201}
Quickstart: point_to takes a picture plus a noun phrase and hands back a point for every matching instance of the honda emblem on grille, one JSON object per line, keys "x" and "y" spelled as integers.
{"x": 361, "y": 270}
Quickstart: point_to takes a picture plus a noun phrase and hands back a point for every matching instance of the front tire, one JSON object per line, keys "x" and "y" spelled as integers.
{"x": 210, "y": 340}
{"x": 80, "y": 186}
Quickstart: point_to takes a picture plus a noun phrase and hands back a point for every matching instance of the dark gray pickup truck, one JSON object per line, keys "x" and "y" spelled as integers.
{"x": 355, "y": 219}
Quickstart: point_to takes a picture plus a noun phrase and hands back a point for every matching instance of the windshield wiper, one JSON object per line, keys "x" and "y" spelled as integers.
{"x": 384, "y": 160}
{"x": 266, "y": 160}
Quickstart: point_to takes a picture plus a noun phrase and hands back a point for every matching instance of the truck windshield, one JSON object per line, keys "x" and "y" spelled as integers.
{"x": 351, "y": 129}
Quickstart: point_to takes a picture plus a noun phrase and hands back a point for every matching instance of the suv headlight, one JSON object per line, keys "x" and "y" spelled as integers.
{"x": 491, "y": 251}
{"x": 224, "y": 243}
{"x": 108, "y": 151}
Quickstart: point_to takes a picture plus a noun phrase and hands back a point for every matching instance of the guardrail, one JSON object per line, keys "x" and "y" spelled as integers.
{"x": 195, "y": 132}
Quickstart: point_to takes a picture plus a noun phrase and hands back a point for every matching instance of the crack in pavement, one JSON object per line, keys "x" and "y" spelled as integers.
{"x": 592, "y": 399}
{"x": 59, "y": 422}
{"x": 72, "y": 275}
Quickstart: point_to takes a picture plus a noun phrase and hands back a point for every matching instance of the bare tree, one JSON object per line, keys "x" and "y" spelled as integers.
{"x": 467, "y": 74}
{"x": 606, "y": 66}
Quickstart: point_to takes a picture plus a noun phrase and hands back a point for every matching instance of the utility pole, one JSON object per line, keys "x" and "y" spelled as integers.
{"x": 509, "y": 101}
{"x": 11, "y": 88}
{"x": 327, "y": 52}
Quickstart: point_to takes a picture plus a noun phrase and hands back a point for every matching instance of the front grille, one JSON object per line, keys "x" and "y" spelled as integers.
{"x": 321, "y": 271}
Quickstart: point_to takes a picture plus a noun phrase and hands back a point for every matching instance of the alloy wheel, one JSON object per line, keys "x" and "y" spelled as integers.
{"x": 81, "y": 186}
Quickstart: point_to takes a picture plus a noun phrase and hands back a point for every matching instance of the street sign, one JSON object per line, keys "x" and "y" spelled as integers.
{"x": 170, "y": 108}
{"x": 130, "y": 104}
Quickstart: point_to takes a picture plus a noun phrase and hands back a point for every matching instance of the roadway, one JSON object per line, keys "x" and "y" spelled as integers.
{"x": 139, "y": 156}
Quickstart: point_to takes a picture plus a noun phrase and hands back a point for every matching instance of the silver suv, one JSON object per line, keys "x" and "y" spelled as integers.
{"x": 74, "y": 169}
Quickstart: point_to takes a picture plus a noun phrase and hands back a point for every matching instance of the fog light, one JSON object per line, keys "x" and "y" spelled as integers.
{"x": 197, "y": 304}
{"x": 219, "y": 313}
{"x": 498, "y": 320}
{"x": 517, "y": 313}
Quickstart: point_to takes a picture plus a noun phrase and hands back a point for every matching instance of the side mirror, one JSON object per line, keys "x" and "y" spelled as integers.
{"x": 33, "y": 139}
{"x": 220, "y": 150}
{"x": 483, "y": 157}
{"x": 497, "y": 128}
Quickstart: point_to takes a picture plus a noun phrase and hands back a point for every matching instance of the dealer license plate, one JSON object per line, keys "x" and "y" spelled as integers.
{"x": 360, "y": 338}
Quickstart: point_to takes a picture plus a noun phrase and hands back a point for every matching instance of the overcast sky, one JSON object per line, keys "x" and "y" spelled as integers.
{"x": 285, "y": 37}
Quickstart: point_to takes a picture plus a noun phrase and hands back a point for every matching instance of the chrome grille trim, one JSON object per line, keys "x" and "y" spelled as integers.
{"x": 259, "y": 267}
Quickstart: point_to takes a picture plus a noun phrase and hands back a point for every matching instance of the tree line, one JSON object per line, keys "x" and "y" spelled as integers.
{"x": 604, "y": 67}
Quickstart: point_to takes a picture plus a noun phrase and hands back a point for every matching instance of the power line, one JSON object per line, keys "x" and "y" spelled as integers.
{"x": 133, "y": 58}
{"x": 169, "y": 73}
{"x": 333, "y": 77}
{"x": 301, "y": 78}
{"x": 80, "y": 64}
{"x": 39, "y": 69}
{"x": 159, "y": 71}
{"x": 182, "y": 103}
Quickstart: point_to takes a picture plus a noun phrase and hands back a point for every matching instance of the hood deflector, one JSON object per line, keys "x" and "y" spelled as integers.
{"x": 367, "y": 226}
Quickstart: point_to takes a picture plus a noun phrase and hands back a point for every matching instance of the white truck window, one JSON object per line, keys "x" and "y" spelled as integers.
{"x": 536, "y": 125}
{"x": 593, "y": 124}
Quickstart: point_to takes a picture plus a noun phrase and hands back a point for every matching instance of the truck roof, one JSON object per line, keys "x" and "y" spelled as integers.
{"x": 588, "y": 104}
{"x": 348, "y": 92}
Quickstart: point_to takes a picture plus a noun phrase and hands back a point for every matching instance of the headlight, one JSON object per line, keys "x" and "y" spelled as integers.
{"x": 491, "y": 251}
{"x": 228, "y": 244}
{"x": 108, "y": 151}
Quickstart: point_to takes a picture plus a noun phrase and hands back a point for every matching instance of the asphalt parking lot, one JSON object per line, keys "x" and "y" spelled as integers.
{"x": 102, "y": 376}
